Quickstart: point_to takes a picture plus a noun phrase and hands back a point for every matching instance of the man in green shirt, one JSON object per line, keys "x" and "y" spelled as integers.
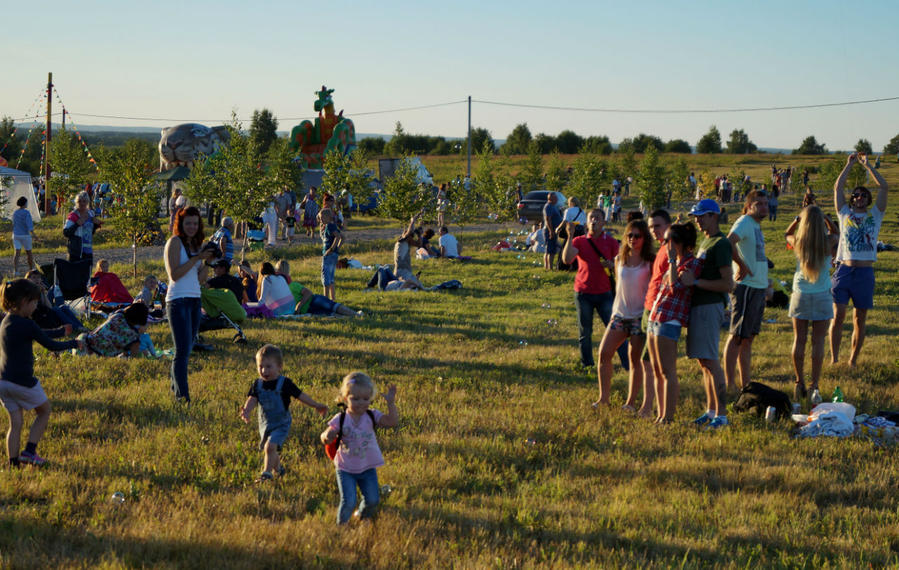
{"x": 707, "y": 311}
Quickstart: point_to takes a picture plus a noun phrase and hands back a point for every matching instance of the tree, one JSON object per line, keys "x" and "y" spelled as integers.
{"x": 70, "y": 169}
{"x": 739, "y": 143}
{"x": 678, "y": 146}
{"x": 643, "y": 141}
{"x": 494, "y": 186}
{"x": 263, "y": 129}
{"x": 13, "y": 146}
{"x": 402, "y": 198}
{"x": 372, "y": 146}
{"x": 545, "y": 143}
{"x": 518, "y": 141}
{"x": 710, "y": 143}
{"x": 531, "y": 177}
{"x": 129, "y": 171}
{"x": 628, "y": 164}
{"x": 347, "y": 172}
{"x": 596, "y": 145}
{"x": 810, "y": 146}
{"x": 892, "y": 147}
{"x": 830, "y": 171}
{"x": 282, "y": 171}
{"x": 588, "y": 174}
{"x": 568, "y": 142}
{"x": 864, "y": 146}
{"x": 396, "y": 144}
{"x": 244, "y": 192}
{"x": 556, "y": 173}
{"x": 679, "y": 181}
{"x": 479, "y": 137}
{"x": 651, "y": 180}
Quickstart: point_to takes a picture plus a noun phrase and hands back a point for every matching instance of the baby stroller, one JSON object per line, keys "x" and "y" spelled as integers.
{"x": 221, "y": 311}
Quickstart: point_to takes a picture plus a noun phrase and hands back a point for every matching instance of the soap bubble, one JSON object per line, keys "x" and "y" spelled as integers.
{"x": 546, "y": 305}
{"x": 530, "y": 441}
{"x": 385, "y": 491}
{"x": 118, "y": 498}
{"x": 522, "y": 343}
{"x": 552, "y": 322}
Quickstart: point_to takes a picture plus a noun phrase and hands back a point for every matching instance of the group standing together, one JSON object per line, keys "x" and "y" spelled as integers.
{"x": 648, "y": 296}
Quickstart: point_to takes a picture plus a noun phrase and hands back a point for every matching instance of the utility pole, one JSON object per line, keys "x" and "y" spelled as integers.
{"x": 46, "y": 164}
{"x": 469, "y": 137}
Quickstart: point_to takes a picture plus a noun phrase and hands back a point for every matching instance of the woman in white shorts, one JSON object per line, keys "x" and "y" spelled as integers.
{"x": 22, "y": 232}
{"x": 813, "y": 238}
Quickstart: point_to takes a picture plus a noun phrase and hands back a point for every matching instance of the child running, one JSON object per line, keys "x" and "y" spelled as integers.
{"x": 358, "y": 455}
{"x": 272, "y": 391}
{"x": 19, "y": 389}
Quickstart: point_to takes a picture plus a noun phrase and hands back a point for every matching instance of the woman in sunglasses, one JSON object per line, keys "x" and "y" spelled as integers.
{"x": 633, "y": 268}
{"x": 856, "y": 254}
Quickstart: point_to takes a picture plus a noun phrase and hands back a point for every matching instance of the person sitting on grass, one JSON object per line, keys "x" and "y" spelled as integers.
{"x": 312, "y": 304}
{"x": 221, "y": 279}
{"x": 449, "y": 245}
{"x": 272, "y": 392}
{"x": 274, "y": 292}
{"x": 46, "y": 315}
{"x": 120, "y": 334}
{"x": 248, "y": 279}
{"x": 107, "y": 287}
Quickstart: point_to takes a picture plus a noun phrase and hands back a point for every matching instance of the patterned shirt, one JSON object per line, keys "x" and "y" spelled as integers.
{"x": 673, "y": 300}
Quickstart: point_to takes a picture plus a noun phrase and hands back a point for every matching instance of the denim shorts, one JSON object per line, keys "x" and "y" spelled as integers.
{"x": 667, "y": 330}
{"x": 552, "y": 244}
{"x": 855, "y": 283}
{"x": 329, "y": 265}
{"x": 21, "y": 242}
{"x": 811, "y": 306}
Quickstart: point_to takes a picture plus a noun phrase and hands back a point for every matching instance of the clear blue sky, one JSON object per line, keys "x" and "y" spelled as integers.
{"x": 198, "y": 60}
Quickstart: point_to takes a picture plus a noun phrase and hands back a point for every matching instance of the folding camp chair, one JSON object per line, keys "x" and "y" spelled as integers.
{"x": 216, "y": 305}
{"x": 73, "y": 280}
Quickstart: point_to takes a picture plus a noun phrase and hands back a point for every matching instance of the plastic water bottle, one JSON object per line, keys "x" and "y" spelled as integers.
{"x": 837, "y": 394}
{"x": 815, "y": 398}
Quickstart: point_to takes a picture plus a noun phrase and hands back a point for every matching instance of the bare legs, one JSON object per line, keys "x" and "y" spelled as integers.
{"x": 664, "y": 351}
{"x": 16, "y": 420}
{"x": 859, "y": 317}
{"x": 738, "y": 350}
{"x": 272, "y": 459}
{"x": 611, "y": 340}
{"x": 714, "y": 384}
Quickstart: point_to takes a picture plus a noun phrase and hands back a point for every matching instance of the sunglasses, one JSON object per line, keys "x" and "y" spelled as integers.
{"x": 634, "y": 236}
{"x": 859, "y": 195}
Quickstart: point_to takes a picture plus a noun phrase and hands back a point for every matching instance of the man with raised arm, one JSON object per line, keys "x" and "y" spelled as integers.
{"x": 856, "y": 254}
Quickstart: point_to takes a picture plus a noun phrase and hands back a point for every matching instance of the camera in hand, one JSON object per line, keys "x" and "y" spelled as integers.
{"x": 214, "y": 248}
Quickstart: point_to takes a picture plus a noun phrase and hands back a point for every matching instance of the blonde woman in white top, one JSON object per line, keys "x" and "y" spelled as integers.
{"x": 633, "y": 268}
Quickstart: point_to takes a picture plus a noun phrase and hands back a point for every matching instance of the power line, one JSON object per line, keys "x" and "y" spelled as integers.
{"x": 685, "y": 111}
{"x": 171, "y": 120}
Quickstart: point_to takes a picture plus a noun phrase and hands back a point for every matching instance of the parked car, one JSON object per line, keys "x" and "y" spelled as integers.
{"x": 531, "y": 206}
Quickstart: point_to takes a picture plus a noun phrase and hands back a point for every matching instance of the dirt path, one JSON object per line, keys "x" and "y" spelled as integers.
{"x": 123, "y": 254}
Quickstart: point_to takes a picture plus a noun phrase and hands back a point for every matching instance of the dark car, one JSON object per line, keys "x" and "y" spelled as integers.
{"x": 531, "y": 206}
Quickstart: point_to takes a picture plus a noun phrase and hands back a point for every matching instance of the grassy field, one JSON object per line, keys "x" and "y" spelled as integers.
{"x": 498, "y": 460}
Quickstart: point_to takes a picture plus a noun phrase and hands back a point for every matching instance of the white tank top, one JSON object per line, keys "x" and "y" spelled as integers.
{"x": 189, "y": 284}
{"x": 630, "y": 291}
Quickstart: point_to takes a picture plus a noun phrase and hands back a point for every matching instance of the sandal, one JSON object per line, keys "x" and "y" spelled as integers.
{"x": 799, "y": 392}
{"x": 628, "y": 408}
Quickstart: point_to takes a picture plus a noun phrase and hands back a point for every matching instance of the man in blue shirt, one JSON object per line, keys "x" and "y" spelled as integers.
{"x": 551, "y": 220}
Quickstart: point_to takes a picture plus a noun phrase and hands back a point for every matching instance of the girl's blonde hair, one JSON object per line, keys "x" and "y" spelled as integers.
{"x": 282, "y": 267}
{"x": 357, "y": 380}
{"x": 99, "y": 267}
{"x": 811, "y": 244}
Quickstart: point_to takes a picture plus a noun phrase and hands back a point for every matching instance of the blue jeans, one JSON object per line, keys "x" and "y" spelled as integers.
{"x": 321, "y": 305}
{"x": 184, "y": 320}
{"x": 346, "y": 484}
{"x": 602, "y": 303}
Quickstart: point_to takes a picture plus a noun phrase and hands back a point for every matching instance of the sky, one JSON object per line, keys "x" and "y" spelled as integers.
{"x": 199, "y": 60}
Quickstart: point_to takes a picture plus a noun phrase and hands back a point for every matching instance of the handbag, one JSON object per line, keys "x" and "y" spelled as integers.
{"x": 608, "y": 271}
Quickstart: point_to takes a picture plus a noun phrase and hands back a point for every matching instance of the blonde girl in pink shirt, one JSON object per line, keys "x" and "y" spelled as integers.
{"x": 358, "y": 455}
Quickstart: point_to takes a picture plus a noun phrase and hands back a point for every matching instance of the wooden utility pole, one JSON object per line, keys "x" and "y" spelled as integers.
{"x": 46, "y": 164}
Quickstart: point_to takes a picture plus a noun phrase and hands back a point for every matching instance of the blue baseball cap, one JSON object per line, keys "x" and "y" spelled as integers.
{"x": 705, "y": 206}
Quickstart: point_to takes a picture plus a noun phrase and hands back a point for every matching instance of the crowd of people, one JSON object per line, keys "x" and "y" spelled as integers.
{"x": 667, "y": 277}
{"x": 688, "y": 285}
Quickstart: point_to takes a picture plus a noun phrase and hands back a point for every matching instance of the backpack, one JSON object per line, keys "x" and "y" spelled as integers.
{"x": 331, "y": 448}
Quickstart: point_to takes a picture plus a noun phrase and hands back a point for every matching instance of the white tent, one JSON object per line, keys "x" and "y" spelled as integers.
{"x": 15, "y": 183}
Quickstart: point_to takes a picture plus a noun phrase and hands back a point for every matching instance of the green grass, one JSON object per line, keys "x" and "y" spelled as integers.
{"x": 469, "y": 488}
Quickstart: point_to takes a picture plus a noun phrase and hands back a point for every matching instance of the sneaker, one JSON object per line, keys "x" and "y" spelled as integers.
{"x": 718, "y": 422}
{"x": 702, "y": 420}
{"x": 29, "y": 458}
{"x": 281, "y": 470}
{"x": 264, "y": 476}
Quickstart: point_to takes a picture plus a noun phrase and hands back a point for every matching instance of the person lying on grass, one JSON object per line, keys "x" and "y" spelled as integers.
{"x": 120, "y": 334}
{"x": 272, "y": 392}
{"x": 313, "y": 304}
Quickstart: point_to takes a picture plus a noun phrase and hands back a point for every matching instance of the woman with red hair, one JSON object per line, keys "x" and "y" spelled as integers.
{"x": 185, "y": 259}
